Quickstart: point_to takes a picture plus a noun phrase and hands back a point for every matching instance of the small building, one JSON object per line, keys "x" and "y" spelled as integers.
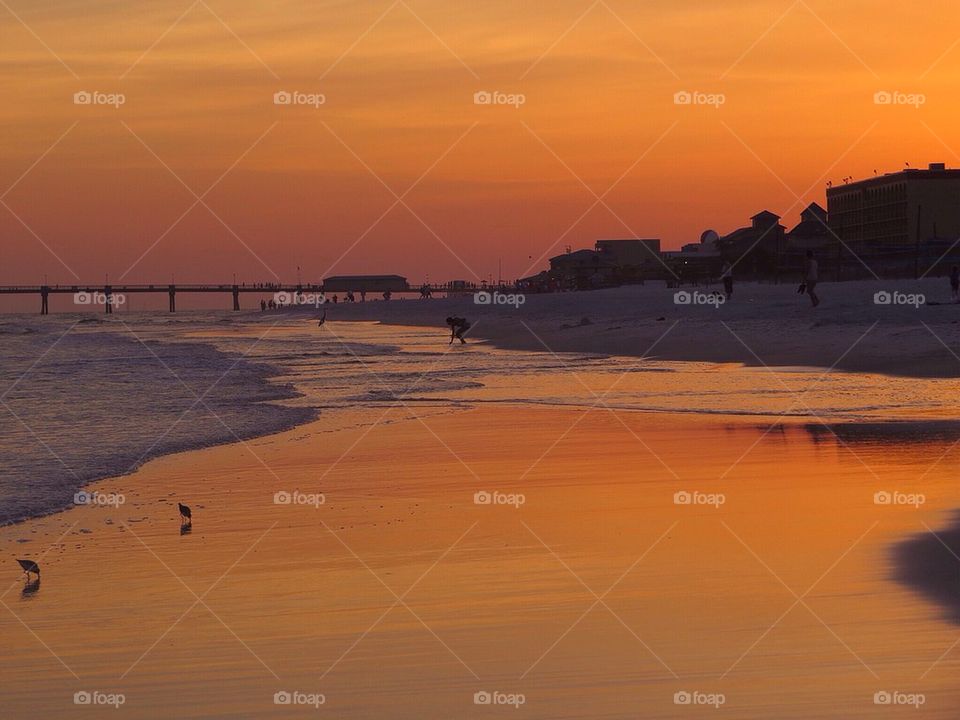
{"x": 365, "y": 283}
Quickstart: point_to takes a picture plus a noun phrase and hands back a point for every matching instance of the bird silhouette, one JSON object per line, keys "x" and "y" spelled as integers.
{"x": 185, "y": 514}
{"x": 29, "y": 566}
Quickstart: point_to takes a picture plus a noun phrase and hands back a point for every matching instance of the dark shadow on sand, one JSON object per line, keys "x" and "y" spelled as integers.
{"x": 923, "y": 564}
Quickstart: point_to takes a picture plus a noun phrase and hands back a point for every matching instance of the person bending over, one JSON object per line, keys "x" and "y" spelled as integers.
{"x": 458, "y": 326}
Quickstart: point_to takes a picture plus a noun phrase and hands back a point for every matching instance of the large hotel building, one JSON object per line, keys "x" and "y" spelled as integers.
{"x": 897, "y": 211}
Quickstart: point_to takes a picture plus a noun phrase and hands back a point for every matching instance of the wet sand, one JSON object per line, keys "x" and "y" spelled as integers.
{"x": 401, "y": 597}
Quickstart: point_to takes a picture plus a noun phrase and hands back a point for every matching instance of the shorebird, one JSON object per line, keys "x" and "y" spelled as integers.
{"x": 185, "y": 512}
{"x": 29, "y": 566}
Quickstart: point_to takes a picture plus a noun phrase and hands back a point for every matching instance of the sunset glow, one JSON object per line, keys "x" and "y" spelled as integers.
{"x": 114, "y": 189}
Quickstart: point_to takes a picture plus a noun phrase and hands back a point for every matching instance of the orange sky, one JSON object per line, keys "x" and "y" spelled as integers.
{"x": 306, "y": 186}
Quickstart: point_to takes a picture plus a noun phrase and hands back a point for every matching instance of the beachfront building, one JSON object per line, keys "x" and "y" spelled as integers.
{"x": 582, "y": 269}
{"x": 695, "y": 262}
{"x": 756, "y": 249}
{"x": 634, "y": 259}
{"x": 365, "y": 283}
{"x": 895, "y": 223}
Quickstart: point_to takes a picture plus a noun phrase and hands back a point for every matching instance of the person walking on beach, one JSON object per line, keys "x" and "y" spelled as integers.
{"x": 810, "y": 278}
{"x": 955, "y": 283}
{"x": 727, "y": 276}
{"x": 458, "y": 326}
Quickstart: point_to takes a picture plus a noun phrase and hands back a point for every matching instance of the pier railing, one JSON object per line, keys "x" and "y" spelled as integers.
{"x": 107, "y": 295}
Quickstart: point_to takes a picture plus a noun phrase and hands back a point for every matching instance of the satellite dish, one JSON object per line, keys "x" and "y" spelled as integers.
{"x": 709, "y": 237}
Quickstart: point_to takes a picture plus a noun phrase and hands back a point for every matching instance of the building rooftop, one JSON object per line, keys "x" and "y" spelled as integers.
{"x": 934, "y": 171}
{"x": 576, "y": 254}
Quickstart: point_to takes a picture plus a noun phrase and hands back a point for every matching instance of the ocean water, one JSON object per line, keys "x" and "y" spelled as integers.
{"x": 87, "y": 397}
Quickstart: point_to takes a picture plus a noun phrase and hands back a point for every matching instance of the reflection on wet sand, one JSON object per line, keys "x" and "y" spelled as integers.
{"x": 30, "y": 588}
{"x": 929, "y": 564}
{"x": 922, "y": 432}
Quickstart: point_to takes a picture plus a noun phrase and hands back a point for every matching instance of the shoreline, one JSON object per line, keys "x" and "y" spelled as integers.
{"x": 187, "y": 368}
{"x": 762, "y": 325}
{"x": 547, "y": 328}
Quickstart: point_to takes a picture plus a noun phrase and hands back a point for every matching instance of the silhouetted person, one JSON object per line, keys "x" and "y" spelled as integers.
{"x": 727, "y": 276}
{"x": 810, "y": 278}
{"x": 458, "y": 326}
{"x": 955, "y": 283}
{"x": 323, "y": 319}
{"x": 263, "y": 305}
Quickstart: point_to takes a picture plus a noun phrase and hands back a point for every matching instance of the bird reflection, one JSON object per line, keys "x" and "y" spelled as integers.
{"x": 30, "y": 588}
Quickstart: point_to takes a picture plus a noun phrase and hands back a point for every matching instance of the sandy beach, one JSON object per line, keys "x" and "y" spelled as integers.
{"x": 627, "y": 563}
{"x": 417, "y": 360}
{"x": 762, "y": 324}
